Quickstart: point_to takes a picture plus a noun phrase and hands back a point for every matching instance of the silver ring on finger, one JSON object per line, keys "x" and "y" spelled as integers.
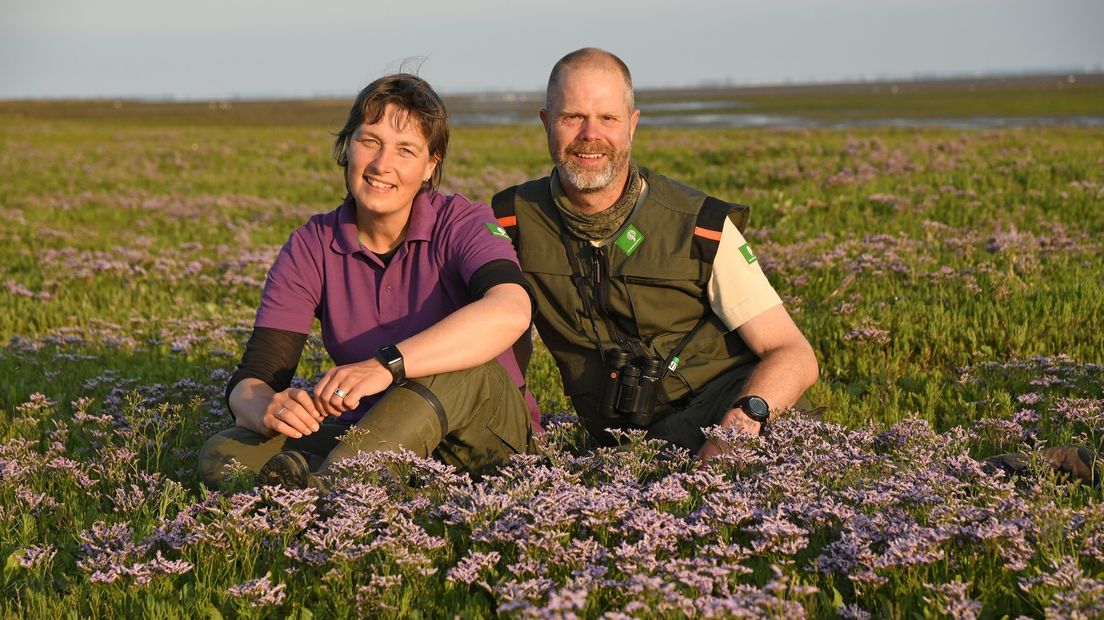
{"x": 280, "y": 414}
{"x": 340, "y": 393}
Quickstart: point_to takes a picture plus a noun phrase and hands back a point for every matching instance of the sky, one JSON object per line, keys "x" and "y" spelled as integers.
{"x": 230, "y": 49}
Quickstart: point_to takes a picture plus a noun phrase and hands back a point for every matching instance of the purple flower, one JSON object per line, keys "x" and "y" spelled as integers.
{"x": 1088, "y": 411}
{"x": 1030, "y": 398}
{"x": 36, "y": 555}
{"x": 467, "y": 569}
{"x": 370, "y": 597}
{"x": 1069, "y": 592}
{"x": 868, "y": 334}
{"x": 775, "y": 534}
{"x": 36, "y": 402}
{"x": 951, "y": 599}
{"x": 259, "y": 592}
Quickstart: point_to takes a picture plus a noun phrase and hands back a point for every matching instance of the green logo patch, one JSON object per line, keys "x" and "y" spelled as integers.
{"x": 630, "y": 240}
{"x": 497, "y": 230}
{"x": 749, "y": 256}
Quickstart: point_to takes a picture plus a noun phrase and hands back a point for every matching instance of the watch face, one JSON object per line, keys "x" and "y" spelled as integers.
{"x": 756, "y": 408}
{"x": 390, "y": 354}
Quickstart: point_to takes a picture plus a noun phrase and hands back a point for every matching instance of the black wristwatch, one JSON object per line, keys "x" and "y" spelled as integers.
{"x": 755, "y": 407}
{"x": 392, "y": 360}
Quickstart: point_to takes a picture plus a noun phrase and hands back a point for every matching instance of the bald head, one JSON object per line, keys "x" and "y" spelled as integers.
{"x": 586, "y": 58}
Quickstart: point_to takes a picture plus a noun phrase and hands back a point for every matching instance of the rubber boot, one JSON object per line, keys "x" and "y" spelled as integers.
{"x": 1071, "y": 462}
{"x": 403, "y": 419}
{"x": 289, "y": 469}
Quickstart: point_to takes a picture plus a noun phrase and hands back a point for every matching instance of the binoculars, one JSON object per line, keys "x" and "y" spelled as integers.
{"x": 631, "y": 388}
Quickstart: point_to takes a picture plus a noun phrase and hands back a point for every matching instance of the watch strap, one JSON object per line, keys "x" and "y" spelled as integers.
{"x": 392, "y": 360}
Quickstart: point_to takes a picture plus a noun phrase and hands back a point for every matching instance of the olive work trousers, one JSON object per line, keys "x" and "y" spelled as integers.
{"x": 680, "y": 422}
{"x": 487, "y": 418}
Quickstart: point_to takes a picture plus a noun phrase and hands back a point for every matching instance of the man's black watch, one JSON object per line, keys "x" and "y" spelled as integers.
{"x": 755, "y": 407}
{"x": 392, "y": 360}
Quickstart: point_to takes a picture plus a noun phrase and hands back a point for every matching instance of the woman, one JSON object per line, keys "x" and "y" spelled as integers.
{"x": 417, "y": 294}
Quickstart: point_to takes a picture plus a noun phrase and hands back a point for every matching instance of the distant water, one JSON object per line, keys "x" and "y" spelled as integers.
{"x": 738, "y": 120}
{"x": 714, "y": 113}
{"x": 795, "y": 122}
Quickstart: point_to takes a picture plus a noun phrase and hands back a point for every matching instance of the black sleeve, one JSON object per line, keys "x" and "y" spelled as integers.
{"x": 499, "y": 271}
{"x": 502, "y": 271}
{"x": 271, "y": 355}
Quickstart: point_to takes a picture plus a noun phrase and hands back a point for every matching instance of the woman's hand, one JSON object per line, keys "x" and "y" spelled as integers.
{"x": 342, "y": 387}
{"x": 292, "y": 412}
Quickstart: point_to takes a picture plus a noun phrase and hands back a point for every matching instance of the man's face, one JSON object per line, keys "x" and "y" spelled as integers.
{"x": 590, "y": 127}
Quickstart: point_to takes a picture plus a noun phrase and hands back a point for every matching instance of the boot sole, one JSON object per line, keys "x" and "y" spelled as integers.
{"x": 288, "y": 469}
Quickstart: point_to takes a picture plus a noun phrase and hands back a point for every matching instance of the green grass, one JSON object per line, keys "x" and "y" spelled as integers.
{"x": 924, "y": 265}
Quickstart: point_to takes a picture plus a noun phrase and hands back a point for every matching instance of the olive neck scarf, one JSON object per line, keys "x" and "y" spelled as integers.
{"x": 601, "y": 225}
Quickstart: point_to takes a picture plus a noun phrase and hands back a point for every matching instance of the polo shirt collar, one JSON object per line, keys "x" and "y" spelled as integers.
{"x": 346, "y": 239}
{"x": 423, "y": 217}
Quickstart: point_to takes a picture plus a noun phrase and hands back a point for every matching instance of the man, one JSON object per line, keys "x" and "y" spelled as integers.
{"x": 645, "y": 286}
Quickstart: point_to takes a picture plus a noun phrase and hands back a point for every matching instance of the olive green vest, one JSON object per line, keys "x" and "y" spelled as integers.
{"x": 656, "y": 295}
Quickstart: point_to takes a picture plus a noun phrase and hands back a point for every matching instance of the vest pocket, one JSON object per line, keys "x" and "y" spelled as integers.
{"x": 663, "y": 305}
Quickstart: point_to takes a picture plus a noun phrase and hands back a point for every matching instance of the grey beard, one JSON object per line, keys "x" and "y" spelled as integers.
{"x": 602, "y": 225}
{"x": 586, "y": 181}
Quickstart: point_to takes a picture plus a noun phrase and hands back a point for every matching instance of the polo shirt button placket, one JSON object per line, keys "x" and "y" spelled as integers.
{"x": 388, "y": 289}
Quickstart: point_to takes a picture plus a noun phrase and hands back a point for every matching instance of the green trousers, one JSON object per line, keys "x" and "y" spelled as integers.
{"x": 680, "y": 422}
{"x": 485, "y": 422}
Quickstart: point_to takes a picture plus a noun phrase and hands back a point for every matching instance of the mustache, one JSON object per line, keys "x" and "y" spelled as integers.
{"x": 589, "y": 148}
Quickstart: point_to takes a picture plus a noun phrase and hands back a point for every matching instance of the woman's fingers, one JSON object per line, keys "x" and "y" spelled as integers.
{"x": 305, "y": 400}
{"x": 294, "y": 416}
{"x": 325, "y": 393}
{"x": 334, "y": 391}
{"x": 342, "y": 388}
{"x": 281, "y": 420}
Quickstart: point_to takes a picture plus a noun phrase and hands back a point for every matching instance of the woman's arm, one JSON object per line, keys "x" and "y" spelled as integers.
{"x": 259, "y": 387}
{"x": 470, "y": 336}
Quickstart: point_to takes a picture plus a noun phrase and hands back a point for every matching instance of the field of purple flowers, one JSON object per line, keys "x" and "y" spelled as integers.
{"x": 949, "y": 281}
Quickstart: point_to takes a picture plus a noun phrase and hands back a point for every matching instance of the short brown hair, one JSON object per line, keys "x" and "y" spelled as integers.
{"x": 412, "y": 95}
{"x": 589, "y": 57}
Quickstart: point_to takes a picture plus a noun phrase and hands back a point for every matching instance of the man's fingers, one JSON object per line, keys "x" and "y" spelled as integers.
{"x": 352, "y": 399}
{"x": 324, "y": 406}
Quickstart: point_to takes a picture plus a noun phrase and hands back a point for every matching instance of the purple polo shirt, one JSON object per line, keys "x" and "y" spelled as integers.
{"x": 323, "y": 272}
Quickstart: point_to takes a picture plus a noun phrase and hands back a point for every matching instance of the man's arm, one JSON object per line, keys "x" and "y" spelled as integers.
{"x": 787, "y": 367}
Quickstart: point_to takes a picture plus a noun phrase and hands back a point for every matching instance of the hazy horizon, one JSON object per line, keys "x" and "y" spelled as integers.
{"x": 251, "y": 49}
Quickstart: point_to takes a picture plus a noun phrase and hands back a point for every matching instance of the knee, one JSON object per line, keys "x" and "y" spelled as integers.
{"x": 214, "y": 458}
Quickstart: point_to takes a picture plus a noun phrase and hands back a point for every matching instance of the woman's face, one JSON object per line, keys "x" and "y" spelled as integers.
{"x": 388, "y": 163}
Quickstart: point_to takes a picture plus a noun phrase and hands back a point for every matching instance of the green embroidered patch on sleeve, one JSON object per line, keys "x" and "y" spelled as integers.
{"x": 497, "y": 230}
{"x": 749, "y": 256}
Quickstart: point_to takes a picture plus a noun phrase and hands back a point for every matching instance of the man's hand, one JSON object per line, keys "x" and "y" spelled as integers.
{"x": 734, "y": 418}
{"x": 342, "y": 387}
